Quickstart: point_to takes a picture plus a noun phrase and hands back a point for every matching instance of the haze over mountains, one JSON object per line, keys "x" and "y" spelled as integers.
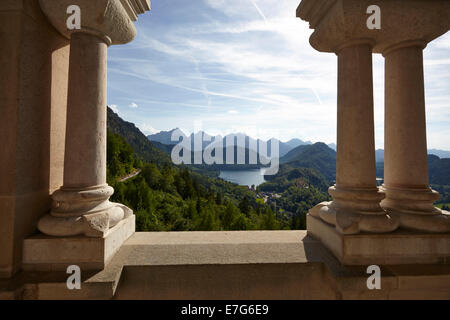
{"x": 165, "y": 138}
{"x": 379, "y": 154}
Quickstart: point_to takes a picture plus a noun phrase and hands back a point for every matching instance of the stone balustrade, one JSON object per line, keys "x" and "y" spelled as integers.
{"x": 395, "y": 226}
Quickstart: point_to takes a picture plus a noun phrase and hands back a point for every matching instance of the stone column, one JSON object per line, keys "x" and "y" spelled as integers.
{"x": 85, "y": 160}
{"x": 408, "y": 194}
{"x": 355, "y": 206}
{"x": 81, "y": 206}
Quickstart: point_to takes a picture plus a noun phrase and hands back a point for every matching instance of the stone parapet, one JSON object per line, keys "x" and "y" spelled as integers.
{"x": 47, "y": 253}
{"x": 236, "y": 265}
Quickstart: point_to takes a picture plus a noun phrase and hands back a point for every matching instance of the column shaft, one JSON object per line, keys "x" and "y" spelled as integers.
{"x": 85, "y": 153}
{"x": 408, "y": 194}
{"x": 405, "y": 158}
{"x": 355, "y": 127}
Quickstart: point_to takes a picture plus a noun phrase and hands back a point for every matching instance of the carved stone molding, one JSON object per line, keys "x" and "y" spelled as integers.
{"x": 111, "y": 19}
{"x": 135, "y": 7}
{"x": 338, "y": 21}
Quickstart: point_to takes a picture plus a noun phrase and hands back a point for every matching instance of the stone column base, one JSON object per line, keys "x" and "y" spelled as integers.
{"x": 399, "y": 247}
{"x": 415, "y": 210}
{"x": 46, "y": 253}
{"x": 354, "y": 218}
{"x": 82, "y": 211}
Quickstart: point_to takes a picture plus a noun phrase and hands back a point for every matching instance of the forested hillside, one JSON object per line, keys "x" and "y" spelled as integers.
{"x": 438, "y": 170}
{"x": 318, "y": 156}
{"x": 136, "y": 139}
{"x": 165, "y": 197}
{"x": 289, "y": 176}
{"x": 297, "y": 190}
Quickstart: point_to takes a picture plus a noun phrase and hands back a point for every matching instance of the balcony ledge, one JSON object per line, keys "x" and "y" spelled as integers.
{"x": 232, "y": 265}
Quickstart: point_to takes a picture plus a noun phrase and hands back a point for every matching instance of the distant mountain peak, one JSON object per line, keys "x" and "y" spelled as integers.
{"x": 164, "y": 137}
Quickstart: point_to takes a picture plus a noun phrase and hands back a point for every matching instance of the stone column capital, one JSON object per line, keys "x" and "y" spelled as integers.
{"x": 355, "y": 42}
{"x": 336, "y": 22}
{"x": 404, "y": 44}
{"x": 111, "y": 20}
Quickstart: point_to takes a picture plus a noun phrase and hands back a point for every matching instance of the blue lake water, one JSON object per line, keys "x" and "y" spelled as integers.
{"x": 244, "y": 177}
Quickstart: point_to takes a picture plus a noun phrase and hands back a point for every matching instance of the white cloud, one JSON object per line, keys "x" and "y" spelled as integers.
{"x": 114, "y": 108}
{"x": 266, "y": 71}
{"x": 148, "y": 129}
{"x": 259, "y": 64}
{"x": 133, "y": 105}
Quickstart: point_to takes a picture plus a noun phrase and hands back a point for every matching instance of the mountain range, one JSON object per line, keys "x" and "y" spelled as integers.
{"x": 379, "y": 154}
{"x": 318, "y": 156}
{"x": 165, "y": 137}
{"x": 294, "y": 153}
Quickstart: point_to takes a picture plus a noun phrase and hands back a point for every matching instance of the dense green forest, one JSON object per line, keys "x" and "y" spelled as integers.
{"x": 169, "y": 198}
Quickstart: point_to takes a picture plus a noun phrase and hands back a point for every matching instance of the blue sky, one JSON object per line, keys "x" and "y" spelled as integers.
{"x": 246, "y": 66}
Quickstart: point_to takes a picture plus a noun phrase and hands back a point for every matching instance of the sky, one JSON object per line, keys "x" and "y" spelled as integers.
{"x": 226, "y": 66}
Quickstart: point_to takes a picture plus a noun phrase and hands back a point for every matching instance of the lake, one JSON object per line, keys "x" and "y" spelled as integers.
{"x": 244, "y": 177}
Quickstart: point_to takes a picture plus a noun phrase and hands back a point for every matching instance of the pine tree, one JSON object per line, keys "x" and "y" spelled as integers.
{"x": 244, "y": 206}
{"x": 191, "y": 211}
{"x": 219, "y": 198}
{"x": 269, "y": 220}
{"x": 229, "y": 216}
{"x": 240, "y": 223}
{"x": 208, "y": 222}
{"x": 199, "y": 206}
